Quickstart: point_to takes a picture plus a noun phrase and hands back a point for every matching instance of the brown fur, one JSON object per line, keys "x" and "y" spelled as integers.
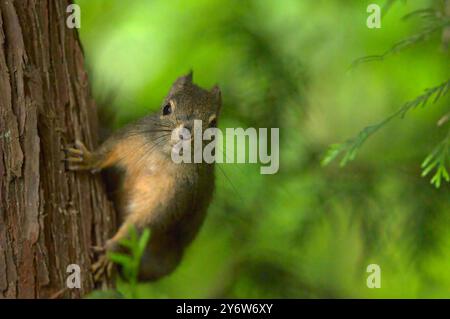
{"x": 170, "y": 199}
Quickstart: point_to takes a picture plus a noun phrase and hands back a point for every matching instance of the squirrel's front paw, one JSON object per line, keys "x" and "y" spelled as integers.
{"x": 79, "y": 157}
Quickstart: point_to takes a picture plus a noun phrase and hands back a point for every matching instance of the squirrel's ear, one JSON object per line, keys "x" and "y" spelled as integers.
{"x": 186, "y": 78}
{"x": 189, "y": 76}
{"x": 183, "y": 80}
{"x": 215, "y": 92}
{"x": 217, "y": 95}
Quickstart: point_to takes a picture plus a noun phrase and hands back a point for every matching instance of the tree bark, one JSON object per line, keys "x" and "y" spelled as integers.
{"x": 49, "y": 216}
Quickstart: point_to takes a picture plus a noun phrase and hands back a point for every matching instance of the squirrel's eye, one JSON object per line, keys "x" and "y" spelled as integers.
{"x": 167, "y": 109}
{"x": 213, "y": 123}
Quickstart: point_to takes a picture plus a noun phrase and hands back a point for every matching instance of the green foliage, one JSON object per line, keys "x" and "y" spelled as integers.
{"x": 128, "y": 262}
{"x": 351, "y": 147}
{"x": 439, "y": 160}
{"x": 433, "y": 25}
{"x": 435, "y": 21}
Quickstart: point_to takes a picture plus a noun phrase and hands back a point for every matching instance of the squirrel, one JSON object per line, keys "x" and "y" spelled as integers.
{"x": 155, "y": 192}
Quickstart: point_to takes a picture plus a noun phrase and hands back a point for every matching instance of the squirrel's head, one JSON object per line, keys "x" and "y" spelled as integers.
{"x": 187, "y": 102}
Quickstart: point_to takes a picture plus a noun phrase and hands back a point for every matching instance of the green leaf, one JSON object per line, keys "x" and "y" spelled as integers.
{"x": 120, "y": 258}
{"x": 143, "y": 240}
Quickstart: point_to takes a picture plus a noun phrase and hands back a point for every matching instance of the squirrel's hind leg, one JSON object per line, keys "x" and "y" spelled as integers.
{"x": 103, "y": 267}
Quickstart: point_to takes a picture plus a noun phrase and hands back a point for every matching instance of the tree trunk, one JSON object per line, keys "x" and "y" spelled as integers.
{"x": 49, "y": 216}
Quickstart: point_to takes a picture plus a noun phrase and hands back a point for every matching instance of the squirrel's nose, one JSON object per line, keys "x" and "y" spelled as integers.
{"x": 188, "y": 126}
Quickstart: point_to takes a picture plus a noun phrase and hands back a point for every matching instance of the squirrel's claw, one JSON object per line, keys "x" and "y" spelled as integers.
{"x": 98, "y": 249}
{"x": 78, "y": 156}
{"x": 81, "y": 147}
{"x": 74, "y": 151}
{"x": 74, "y": 159}
{"x": 103, "y": 268}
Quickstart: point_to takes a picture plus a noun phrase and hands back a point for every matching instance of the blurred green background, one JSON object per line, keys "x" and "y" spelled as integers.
{"x": 308, "y": 231}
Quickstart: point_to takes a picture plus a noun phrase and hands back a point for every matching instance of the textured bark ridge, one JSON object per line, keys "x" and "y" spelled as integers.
{"x": 49, "y": 216}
